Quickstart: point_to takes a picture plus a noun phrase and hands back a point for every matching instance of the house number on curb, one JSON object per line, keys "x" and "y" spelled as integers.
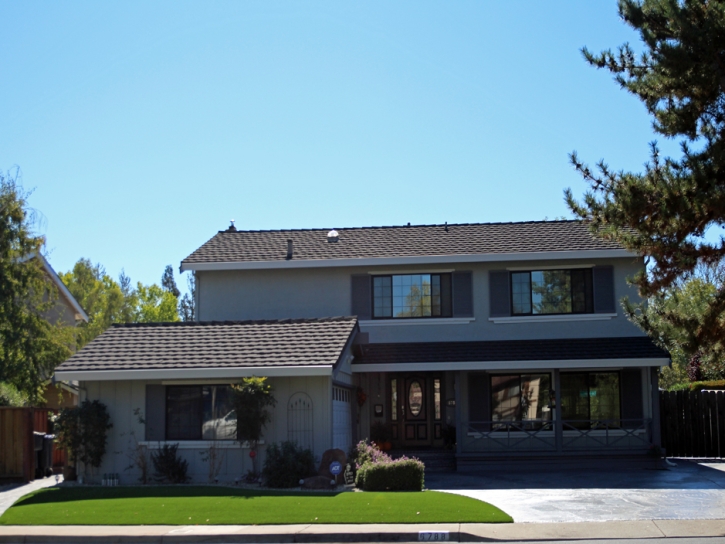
{"x": 433, "y": 536}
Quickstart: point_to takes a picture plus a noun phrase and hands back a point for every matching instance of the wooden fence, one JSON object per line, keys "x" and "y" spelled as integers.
{"x": 17, "y": 454}
{"x": 693, "y": 423}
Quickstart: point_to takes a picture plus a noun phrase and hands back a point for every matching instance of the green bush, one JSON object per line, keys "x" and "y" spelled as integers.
{"x": 168, "y": 466}
{"x": 10, "y": 396}
{"x": 399, "y": 475}
{"x": 698, "y": 386}
{"x": 82, "y": 431}
{"x": 286, "y": 464}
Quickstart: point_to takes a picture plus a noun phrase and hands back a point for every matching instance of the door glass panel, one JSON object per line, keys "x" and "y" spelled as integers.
{"x": 415, "y": 398}
{"x": 437, "y": 398}
{"x": 394, "y": 399}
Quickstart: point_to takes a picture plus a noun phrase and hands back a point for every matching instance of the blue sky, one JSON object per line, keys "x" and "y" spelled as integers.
{"x": 143, "y": 128}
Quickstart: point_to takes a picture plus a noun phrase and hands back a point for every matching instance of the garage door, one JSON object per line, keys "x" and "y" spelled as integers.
{"x": 341, "y": 419}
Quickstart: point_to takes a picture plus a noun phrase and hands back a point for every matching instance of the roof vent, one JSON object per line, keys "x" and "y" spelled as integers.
{"x": 232, "y": 228}
{"x": 290, "y": 250}
{"x": 333, "y": 236}
{"x": 446, "y": 228}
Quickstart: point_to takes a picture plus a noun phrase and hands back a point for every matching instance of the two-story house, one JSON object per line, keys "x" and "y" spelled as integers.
{"x": 505, "y": 338}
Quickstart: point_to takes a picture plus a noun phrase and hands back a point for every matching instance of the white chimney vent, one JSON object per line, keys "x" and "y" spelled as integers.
{"x": 333, "y": 236}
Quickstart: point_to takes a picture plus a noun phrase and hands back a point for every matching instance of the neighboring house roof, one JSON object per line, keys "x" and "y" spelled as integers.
{"x": 231, "y": 249}
{"x": 213, "y": 349}
{"x": 636, "y": 350}
{"x": 80, "y": 314}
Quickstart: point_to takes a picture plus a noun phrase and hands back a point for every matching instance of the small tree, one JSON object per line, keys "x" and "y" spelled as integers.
{"x": 82, "y": 431}
{"x": 251, "y": 399}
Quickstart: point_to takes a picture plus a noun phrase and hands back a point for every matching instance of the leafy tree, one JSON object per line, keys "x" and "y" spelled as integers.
{"x": 187, "y": 304}
{"x": 664, "y": 212}
{"x": 155, "y": 304}
{"x": 30, "y": 346}
{"x": 104, "y": 300}
{"x": 252, "y": 398}
{"x": 168, "y": 283}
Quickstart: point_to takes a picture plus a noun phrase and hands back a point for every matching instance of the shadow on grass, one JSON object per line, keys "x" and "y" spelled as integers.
{"x": 69, "y": 494}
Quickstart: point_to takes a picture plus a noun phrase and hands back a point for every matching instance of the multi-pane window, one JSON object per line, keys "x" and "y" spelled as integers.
{"x": 412, "y": 295}
{"x": 199, "y": 412}
{"x": 590, "y": 398}
{"x": 521, "y": 398}
{"x": 552, "y": 292}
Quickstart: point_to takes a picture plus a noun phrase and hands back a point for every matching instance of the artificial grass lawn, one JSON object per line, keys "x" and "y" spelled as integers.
{"x": 207, "y": 505}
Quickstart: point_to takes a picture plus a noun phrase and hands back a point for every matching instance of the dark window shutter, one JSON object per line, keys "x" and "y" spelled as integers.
{"x": 361, "y": 296}
{"x": 499, "y": 293}
{"x": 155, "y": 412}
{"x": 631, "y": 396}
{"x": 462, "y": 294}
{"x": 603, "y": 280}
{"x": 478, "y": 397}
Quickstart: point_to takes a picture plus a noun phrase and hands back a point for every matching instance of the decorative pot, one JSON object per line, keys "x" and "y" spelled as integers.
{"x": 387, "y": 446}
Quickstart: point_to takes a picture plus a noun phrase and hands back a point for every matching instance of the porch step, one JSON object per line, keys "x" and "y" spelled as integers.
{"x": 434, "y": 460}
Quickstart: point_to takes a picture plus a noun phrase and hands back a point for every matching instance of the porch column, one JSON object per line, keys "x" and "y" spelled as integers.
{"x": 558, "y": 425}
{"x": 460, "y": 428}
{"x": 655, "y": 386}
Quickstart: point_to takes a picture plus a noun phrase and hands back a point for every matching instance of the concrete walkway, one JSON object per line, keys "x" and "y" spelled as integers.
{"x": 11, "y": 493}
{"x": 688, "y": 491}
{"x": 455, "y": 532}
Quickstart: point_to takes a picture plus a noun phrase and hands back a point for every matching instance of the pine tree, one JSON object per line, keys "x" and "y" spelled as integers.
{"x": 168, "y": 283}
{"x": 664, "y": 212}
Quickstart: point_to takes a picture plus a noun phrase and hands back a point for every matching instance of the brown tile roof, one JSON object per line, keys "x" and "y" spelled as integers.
{"x": 568, "y": 349}
{"x": 405, "y": 241}
{"x": 223, "y": 344}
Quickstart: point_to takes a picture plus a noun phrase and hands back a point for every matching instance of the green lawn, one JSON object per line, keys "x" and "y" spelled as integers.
{"x": 202, "y": 505}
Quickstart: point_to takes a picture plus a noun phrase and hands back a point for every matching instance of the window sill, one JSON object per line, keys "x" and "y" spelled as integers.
{"x": 196, "y": 444}
{"x": 417, "y": 321}
{"x": 552, "y": 318}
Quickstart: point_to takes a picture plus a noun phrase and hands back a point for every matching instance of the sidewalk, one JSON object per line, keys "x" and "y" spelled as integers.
{"x": 465, "y": 532}
{"x": 11, "y": 493}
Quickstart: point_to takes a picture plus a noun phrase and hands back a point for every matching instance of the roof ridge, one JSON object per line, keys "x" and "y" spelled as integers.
{"x": 332, "y": 319}
{"x": 408, "y": 226}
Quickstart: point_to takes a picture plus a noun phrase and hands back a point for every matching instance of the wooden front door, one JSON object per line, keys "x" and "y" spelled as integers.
{"x": 416, "y": 410}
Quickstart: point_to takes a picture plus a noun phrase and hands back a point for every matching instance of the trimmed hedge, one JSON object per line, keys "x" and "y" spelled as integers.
{"x": 699, "y": 386}
{"x": 398, "y": 475}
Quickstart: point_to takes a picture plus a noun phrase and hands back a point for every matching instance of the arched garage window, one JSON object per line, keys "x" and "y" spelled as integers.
{"x": 299, "y": 420}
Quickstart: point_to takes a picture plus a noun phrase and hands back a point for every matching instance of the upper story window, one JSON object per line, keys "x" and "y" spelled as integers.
{"x": 541, "y": 292}
{"x": 412, "y": 295}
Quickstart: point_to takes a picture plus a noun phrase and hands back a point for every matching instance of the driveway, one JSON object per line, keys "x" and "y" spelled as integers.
{"x": 690, "y": 490}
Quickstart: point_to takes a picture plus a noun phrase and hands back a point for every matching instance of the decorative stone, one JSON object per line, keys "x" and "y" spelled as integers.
{"x": 327, "y": 459}
{"x": 317, "y": 482}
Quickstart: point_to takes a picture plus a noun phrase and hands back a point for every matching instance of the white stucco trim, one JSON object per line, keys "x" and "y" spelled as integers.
{"x": 193, "y": 373}
{"x": 197, "y": 444}
{"x": 426, "y": 259}
{"x": 509, "y": 365}
{"x": 419, "y": 321}
{"x": 554, "y": 318}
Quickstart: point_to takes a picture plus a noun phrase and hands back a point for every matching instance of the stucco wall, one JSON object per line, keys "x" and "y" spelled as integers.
{"x": 123, "y": 397}
{"x": 325, "y": 292}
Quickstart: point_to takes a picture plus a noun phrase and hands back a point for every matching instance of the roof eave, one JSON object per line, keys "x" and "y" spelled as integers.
{"x": 193, "y": 373}
{"x": 425, "y": 259}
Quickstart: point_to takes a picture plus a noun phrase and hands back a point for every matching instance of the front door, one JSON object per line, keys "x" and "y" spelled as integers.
{"x": 416, "y": 410}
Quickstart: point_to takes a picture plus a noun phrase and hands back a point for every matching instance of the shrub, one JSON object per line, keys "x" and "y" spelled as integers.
{"x": 365, "y": 452}
{"x": 82, "y": 431}
{"x": 168, "y": 466}
{"x": 698, "y": 386}
{"x": 286, "y": 464}
{"x": 400, "y": 475}
{"x": 10, "y": 396}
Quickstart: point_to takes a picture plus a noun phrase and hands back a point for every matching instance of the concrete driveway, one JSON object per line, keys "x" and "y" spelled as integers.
{"x": 690, "y": 490}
